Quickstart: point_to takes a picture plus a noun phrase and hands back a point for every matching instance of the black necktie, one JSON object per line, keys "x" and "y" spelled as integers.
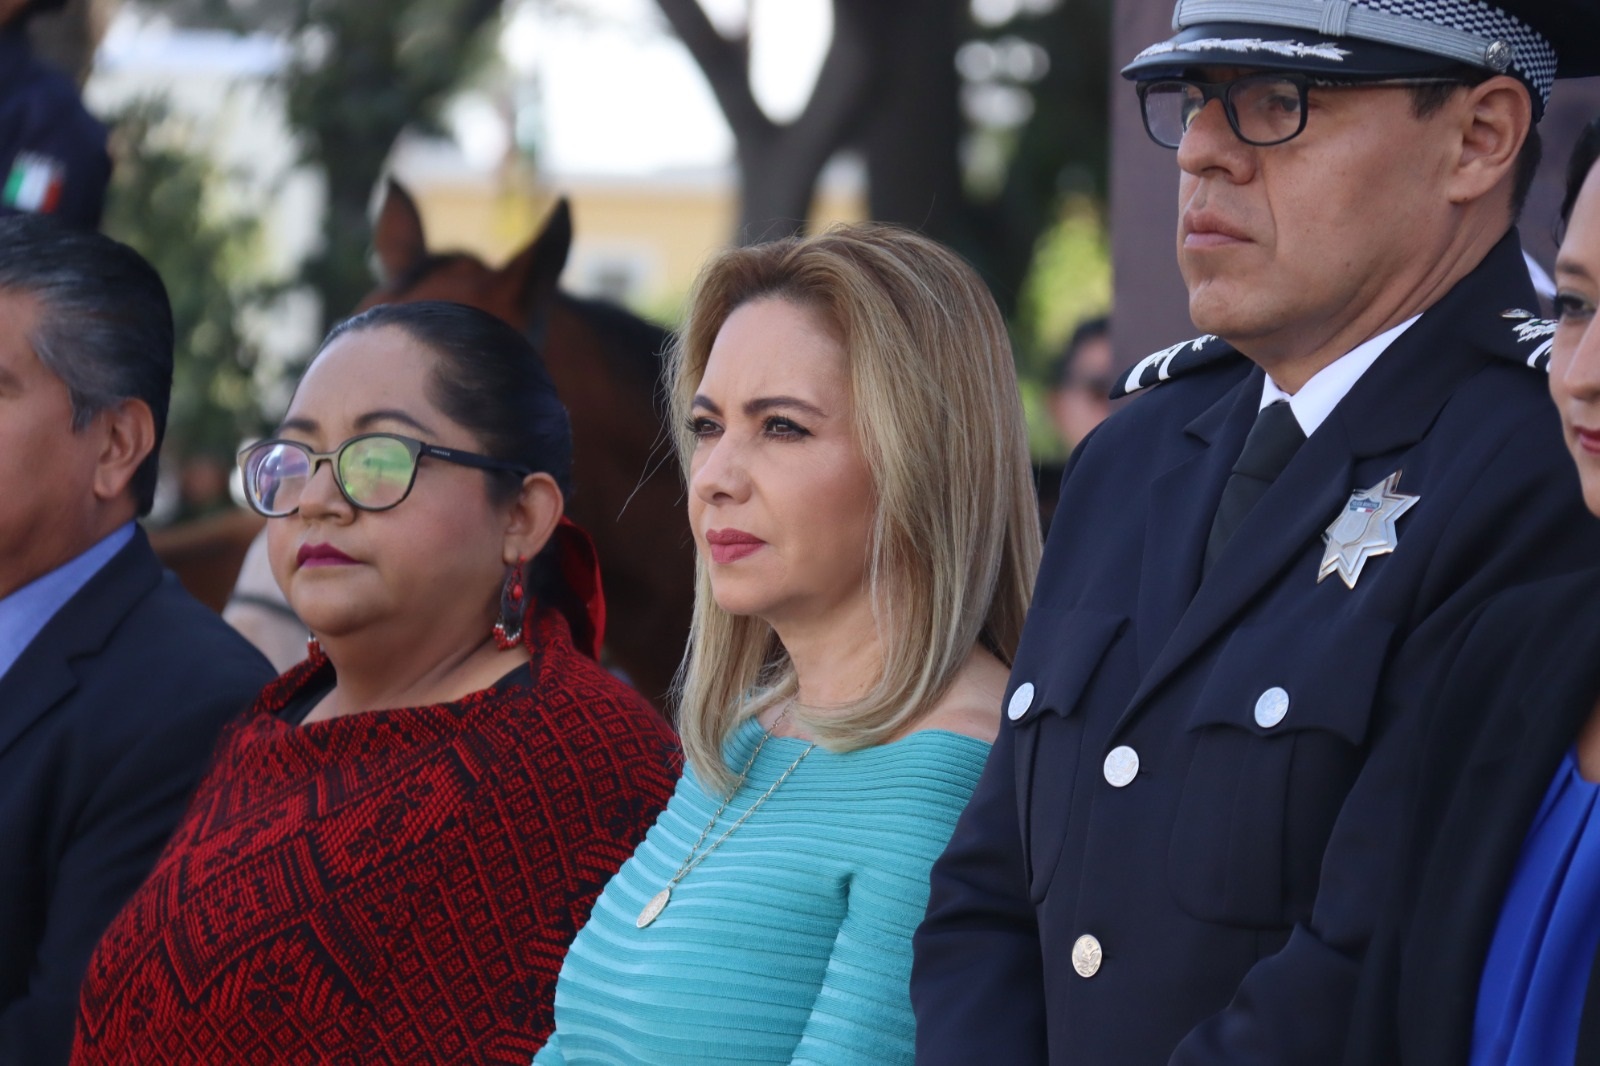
{"x": 1272, "y": 442}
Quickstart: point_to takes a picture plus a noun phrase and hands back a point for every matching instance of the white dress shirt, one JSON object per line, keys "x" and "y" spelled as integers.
{"x": 1318, "y": 397}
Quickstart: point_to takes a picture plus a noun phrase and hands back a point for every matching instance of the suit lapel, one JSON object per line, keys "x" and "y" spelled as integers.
{"x": 1182, "y": 501}
{"x": 45, "y": 672}
{"x": 1291, "y": 514}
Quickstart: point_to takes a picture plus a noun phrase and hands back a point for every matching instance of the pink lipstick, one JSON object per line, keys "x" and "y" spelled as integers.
{"x": 731, "y": 545}
{"x": 321, "y": 555}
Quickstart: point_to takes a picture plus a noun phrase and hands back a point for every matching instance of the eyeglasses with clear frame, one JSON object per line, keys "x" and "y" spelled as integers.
{"x": 374, "y": 471}
{"x": 1262, "y": 109}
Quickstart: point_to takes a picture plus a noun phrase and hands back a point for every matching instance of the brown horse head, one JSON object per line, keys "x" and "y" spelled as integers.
{"x": 521, "y": 292}
{"x": 606, "y": 364}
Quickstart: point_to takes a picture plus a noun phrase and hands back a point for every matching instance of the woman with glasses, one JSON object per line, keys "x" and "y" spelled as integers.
{"x": 1492, "y": 952}
{"x": 394, "y": 848}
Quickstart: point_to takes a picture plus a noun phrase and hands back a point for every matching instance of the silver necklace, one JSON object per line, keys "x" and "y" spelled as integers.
{"x": 659, "y": 901}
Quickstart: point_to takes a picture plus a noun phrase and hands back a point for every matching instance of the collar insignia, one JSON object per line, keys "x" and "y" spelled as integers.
{"x": 1366, "y": 527}
{"x": 1173, "y": 362}
{"x": 1534, "y": 334}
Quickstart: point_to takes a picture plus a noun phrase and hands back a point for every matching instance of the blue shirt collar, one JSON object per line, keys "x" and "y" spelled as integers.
{"x": 29, "y": 609}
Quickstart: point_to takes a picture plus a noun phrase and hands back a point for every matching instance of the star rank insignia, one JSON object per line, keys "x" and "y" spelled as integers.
{"x": 1363, "y": 529}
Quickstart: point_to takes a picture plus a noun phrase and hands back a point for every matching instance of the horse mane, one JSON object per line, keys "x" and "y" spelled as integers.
{"x": 634, "y": 343}
{"x": 414, "y": 274}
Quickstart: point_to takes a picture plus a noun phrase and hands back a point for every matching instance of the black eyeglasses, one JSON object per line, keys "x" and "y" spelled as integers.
{"x": 1263, "y": 109}
{"x": 374, "y": 471}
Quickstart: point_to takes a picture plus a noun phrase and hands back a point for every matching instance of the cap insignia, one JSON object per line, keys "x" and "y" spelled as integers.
{"x": 1247, "y": 45}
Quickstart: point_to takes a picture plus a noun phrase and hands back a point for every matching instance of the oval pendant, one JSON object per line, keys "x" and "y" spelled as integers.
{"x": 653, "y": 909}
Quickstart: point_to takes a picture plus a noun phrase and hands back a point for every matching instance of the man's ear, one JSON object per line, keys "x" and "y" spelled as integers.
{"x": 533, "y": 517}
{"x": 127, "y": 436}
{"x": 1495, "y": 119}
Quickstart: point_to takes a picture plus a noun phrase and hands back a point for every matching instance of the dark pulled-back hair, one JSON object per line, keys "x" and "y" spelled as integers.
{"x": 105, "y": 324}
{"x": 1584, "y": 155}
{"x": 490, "y": 379}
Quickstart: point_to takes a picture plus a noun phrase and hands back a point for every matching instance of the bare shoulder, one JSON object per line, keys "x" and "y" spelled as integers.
{"x": 972, "y": 705}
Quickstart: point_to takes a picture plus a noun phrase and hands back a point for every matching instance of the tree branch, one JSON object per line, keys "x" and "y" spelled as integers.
{"x": 726, "y": 64}
{"x": 856, "y": 56}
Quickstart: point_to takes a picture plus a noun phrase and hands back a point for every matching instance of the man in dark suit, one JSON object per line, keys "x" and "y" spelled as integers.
{"x": 53, "y": 157}
{"x": 1176, "y": 849}
{"x": 113, "y": 680}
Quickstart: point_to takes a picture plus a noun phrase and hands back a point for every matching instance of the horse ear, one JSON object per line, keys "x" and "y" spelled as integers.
{"x": 536, "y": 269}
{"x": 398, "y": 238}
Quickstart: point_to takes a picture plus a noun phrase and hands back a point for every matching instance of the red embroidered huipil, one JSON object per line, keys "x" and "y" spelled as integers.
{"x": 397, "y": 886}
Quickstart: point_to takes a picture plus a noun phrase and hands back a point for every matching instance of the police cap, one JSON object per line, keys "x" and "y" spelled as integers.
{"x": 1534, "y": 40}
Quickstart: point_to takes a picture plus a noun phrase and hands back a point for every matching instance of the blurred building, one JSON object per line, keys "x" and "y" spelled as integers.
{"x": 638, "y": 239}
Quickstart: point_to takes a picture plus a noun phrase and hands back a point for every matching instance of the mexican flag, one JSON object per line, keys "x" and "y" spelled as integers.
{"x": 34, "y": 184}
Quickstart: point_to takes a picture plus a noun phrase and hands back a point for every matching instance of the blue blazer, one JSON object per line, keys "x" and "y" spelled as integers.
{"x": 106, "y": 721}
{"x": 1215, "y": 907}
{"x": 1509, "y": 705}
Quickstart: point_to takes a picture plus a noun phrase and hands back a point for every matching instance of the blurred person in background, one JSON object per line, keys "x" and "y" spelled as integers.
{"x": 393, "y": 849}
{"x": 1079, "y": 400}
{"x": 113, "y": 681}
{"x": 53, "y": 157}
{"x": 1081, "y": 380}
{"x": 856, "y": 458}
{"x": 1491, "y": 954}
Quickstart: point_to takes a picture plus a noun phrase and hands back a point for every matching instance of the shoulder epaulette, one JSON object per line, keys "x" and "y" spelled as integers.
{"x": 1173, "y": 362}
{"x": 1533, "y": 336}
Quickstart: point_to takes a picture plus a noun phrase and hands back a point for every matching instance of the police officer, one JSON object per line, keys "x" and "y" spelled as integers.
{"x": 53, "y": 157}
{"x": 1177, "y": 847}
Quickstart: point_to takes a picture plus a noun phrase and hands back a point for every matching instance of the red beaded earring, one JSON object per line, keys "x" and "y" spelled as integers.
{"x": 513, "y": 601}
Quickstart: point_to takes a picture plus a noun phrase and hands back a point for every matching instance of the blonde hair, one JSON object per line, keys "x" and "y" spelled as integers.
{"x": 955, "y": 541}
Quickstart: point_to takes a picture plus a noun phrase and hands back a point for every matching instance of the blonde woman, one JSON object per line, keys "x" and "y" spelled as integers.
{"x": 860, "y": 499}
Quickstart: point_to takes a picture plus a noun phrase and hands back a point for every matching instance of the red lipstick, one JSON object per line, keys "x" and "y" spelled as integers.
{"x": 731, "y": 545}
{"x": 321, "y": 555}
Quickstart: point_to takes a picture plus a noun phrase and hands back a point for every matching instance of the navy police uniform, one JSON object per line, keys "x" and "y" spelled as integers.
{"x": 53, "y": 157}
{"x": 1198, "y": 778}
{"x": 1178, "y": 846}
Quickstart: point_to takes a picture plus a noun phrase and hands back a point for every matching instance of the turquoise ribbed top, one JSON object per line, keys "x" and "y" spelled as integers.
{"x": 792, "y": 941}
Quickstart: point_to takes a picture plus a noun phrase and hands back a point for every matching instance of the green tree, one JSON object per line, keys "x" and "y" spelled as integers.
{"x": 162, "y": 203}
{"x": 363, "y": 72}
{"x": 904, "y": 83}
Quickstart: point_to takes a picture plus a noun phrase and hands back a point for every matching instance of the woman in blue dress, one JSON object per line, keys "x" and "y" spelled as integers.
{"x": 859, "y": 493}
{"x": 1491, "y": 952}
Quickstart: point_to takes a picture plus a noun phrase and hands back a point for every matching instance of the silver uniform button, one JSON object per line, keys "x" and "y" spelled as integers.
{"x": 1021, "y": 700}
{"x": 1086, "y": 956}
{"x": 1271, "y": 707}
{"x": 1122, "y": 766}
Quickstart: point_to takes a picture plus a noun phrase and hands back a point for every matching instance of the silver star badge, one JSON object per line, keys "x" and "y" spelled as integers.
{"x": 1363, "y": 529}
